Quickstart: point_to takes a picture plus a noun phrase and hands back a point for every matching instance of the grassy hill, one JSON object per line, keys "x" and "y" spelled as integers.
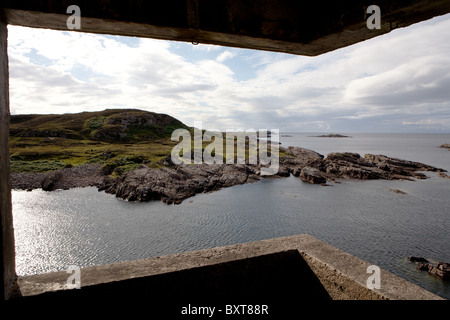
{"x": 119, "y": 139}
{"x": 111, "y": 125}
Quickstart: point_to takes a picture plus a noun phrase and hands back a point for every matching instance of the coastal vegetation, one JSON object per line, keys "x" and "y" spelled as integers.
{"x": 120, "y": 140}
{"x": 128, "y": 153}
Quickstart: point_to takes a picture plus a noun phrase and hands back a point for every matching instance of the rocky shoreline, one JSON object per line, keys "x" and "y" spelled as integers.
{"x": 175, "y": 183}
{"x": 87, "y": 175}
{"x": 438, "y": 269}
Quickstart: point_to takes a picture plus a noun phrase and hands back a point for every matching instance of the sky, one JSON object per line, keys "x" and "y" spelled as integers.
{"x": 398, "y": 82}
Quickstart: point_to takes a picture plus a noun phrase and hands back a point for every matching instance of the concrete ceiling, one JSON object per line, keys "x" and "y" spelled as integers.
{"x": 292, "y": 26}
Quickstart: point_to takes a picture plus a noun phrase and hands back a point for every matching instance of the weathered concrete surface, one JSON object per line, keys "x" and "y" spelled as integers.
{"x": 7, "y": 253}
{"x": 291, "y": 26}
{"x": 342, "y": 275}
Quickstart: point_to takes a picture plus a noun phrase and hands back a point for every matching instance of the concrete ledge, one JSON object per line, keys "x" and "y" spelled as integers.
{"x": 340, "y": 274}
{"x": 298, "y": 27}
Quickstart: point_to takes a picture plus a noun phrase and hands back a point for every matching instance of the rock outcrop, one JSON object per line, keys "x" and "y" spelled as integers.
{"x": 417, "y": 259}
{"x": 312, "y": 175}
{"x": 351, "y": 166}
{"x": 50, "y": 180}
{"x": 298, "y": 159}
{"x": 174, "y": 183}
{"x": 443, "y": 175}
{"x": 67, "y": 178}
{"x": 438, "y": 269}
{"x": 332, "y": 135}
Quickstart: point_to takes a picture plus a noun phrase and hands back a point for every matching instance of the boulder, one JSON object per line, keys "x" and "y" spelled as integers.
{"x": 49, "y": 182}
{"x": 312, "y": 175}
{"x": 173, "y": 185}
{"x": 417, "y": 259}
{"x": 439, "y": 269}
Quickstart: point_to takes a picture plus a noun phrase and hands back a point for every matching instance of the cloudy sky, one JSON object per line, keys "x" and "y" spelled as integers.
{"x": 399, "y": 82}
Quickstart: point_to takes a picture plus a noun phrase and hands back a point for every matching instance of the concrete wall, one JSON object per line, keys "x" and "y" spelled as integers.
{"x": 7, "y": 253}
{"x": 292, "y": 26}
{"x": 292, "y": 268}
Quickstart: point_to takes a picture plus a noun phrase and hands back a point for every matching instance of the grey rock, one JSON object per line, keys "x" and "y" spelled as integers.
{"x": 417, "y": 259}
{"x": 439, "y": 269}
{"x": 312, "y": 175}
{"x": 49, "y": 182}
{"x": 173, "y": 183}
{"x": 66, "y": 178}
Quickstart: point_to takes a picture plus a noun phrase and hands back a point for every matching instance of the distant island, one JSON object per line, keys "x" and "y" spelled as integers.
{"x": 332, "y": 135}
{"x": 127, "y": 153}
{"x": 445, "y": 146}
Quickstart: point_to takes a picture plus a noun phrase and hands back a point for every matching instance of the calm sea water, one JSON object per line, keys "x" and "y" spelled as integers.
{"x": 85, "y": 227}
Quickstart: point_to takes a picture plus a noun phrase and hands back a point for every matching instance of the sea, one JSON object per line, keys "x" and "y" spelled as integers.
{"x": 84, "y": 227}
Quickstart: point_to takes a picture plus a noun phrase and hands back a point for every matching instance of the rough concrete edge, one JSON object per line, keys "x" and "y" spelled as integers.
{"x": 338, "y": 285}
{"x": 342, "y": 274}
{"x": 343, "y": 266}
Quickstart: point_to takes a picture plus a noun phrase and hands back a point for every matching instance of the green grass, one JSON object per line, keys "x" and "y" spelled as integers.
{"x": 41, "y": 143}
{"x": 33, "y": 155}
{"x": 123, "y": 139}
{"x": 35, "y": 166}
{"x": 94, "y": 123}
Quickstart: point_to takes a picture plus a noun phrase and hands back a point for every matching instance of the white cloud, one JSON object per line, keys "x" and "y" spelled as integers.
{"x": 225, "y": 56}
{"x": 431, "y": 123}
{"x": 402, "y": 74}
